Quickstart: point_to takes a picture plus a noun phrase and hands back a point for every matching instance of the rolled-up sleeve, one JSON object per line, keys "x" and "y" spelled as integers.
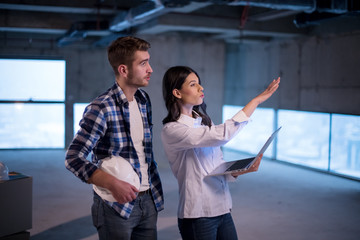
{"x": 91, "y": 128}
{"x": 240, "y": 117}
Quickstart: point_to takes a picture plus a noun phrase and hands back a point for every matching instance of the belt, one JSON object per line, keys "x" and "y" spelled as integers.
{"x": 148, "y": 191}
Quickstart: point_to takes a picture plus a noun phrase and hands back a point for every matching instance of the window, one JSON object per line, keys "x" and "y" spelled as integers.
{"x": 79, "y": 109}
{"x": 324, "y": 141}
{"x": 253, "y": 136}
{"x": 32, "y": 108}
{"x": 345, "y": 145}
{"x": 32, "y": 125}
{"x": 29, "y": 79}
{"x": 304, "y": 138}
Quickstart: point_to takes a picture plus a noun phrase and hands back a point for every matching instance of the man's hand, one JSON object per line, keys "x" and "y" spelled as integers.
{"x": 122, "y": 191}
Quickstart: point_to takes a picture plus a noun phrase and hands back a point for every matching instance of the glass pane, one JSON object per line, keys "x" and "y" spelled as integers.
{"x": 32, "y": 125}
{"x": 37, "y": 80}
{"x": 345, "y": 145}
{"x": 78, "y": 113}
{"x": 304, "y": 138}
{"x": 253, "y": 136}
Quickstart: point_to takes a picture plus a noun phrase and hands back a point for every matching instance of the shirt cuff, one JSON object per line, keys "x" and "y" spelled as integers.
{"x": 240, "y": 117}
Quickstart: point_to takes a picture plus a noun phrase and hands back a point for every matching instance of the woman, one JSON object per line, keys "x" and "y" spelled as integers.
{"x": 192, "y": 145}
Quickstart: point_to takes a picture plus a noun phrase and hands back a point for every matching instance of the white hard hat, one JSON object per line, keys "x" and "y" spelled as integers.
{"x": 119, "y": 168}
{"x": 4, "y": 172}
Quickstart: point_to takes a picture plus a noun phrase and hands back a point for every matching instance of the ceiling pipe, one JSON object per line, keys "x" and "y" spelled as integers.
{"x": 326, "y": 10}
{"x": 124, "y": 20}
{"x": 311, "y": 12}
{"x": 295, "y": 5}
{"x": 55, "y": 9}
{"x": 150, "y": 10}
{"x": 137, "y": 15}
{"x": 127, "y": 21}
{"x": 80, "y": 30}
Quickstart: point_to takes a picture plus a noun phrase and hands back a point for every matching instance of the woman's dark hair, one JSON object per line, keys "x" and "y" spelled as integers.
{"x": 174, "y": 78}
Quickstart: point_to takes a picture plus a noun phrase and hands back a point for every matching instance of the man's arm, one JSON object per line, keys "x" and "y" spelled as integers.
{"x": 93, "y": 126}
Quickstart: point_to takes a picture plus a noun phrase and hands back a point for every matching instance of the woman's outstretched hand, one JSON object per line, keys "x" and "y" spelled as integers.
{"x": 262, "y": 97}
{"x": 265, "y": 95}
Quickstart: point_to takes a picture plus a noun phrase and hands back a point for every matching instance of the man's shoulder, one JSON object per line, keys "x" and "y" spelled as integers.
{"x": 106, "y": 96}
{"x": 103, "y": 101}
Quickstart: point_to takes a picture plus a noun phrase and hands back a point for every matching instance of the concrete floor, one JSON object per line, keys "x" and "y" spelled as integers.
{"x": 279, "y": 202}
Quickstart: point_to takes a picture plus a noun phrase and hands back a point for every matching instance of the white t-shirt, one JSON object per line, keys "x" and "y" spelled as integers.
{"x": 137, "y": 136}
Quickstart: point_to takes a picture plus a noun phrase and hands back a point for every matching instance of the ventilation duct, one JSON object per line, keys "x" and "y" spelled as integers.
{"x": 80, "y": 30}
{"x": 325, "y": 10}
{"x": 137, "y": 15}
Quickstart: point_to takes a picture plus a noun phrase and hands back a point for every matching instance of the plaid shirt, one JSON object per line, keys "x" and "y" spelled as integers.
{"x": 105, "y": 130}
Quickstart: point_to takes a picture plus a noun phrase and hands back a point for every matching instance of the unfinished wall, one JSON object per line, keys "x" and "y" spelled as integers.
{"x": 89, "y": 74}
{"x": 317, "y": 73}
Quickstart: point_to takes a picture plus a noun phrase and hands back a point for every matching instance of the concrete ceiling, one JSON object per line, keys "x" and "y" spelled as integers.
{"x": 97, "y": 22}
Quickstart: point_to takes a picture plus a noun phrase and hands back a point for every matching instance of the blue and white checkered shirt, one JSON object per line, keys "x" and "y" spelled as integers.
{"x": 105, "y": 130}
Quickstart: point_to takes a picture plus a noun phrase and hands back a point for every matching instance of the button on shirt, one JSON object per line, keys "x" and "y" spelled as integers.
{"x": 193, "y": 151}
{"x": 105, "y": 131}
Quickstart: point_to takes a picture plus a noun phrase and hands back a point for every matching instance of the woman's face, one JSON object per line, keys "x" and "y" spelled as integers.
{"x": 191, "y": 92}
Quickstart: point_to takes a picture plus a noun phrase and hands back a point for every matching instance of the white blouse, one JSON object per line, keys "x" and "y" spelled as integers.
{"x": 193, "y": 151}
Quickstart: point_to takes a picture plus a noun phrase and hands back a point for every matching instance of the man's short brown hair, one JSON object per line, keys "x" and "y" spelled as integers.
{"x": 122, "y": 51}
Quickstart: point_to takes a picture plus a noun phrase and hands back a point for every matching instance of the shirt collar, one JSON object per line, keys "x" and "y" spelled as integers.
{"x": 190, "y": 121}
{"x": 121, "y": 98}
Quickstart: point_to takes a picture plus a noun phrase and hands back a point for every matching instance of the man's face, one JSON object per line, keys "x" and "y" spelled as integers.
{"x": 140, "y": 70}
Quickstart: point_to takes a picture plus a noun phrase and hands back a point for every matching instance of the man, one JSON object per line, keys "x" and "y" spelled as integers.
{"x": 117, "y": 128}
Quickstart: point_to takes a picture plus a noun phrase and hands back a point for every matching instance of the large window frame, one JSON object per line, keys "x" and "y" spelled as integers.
{"x": 32, "y": 101}
{"x": 335, "y": 150}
